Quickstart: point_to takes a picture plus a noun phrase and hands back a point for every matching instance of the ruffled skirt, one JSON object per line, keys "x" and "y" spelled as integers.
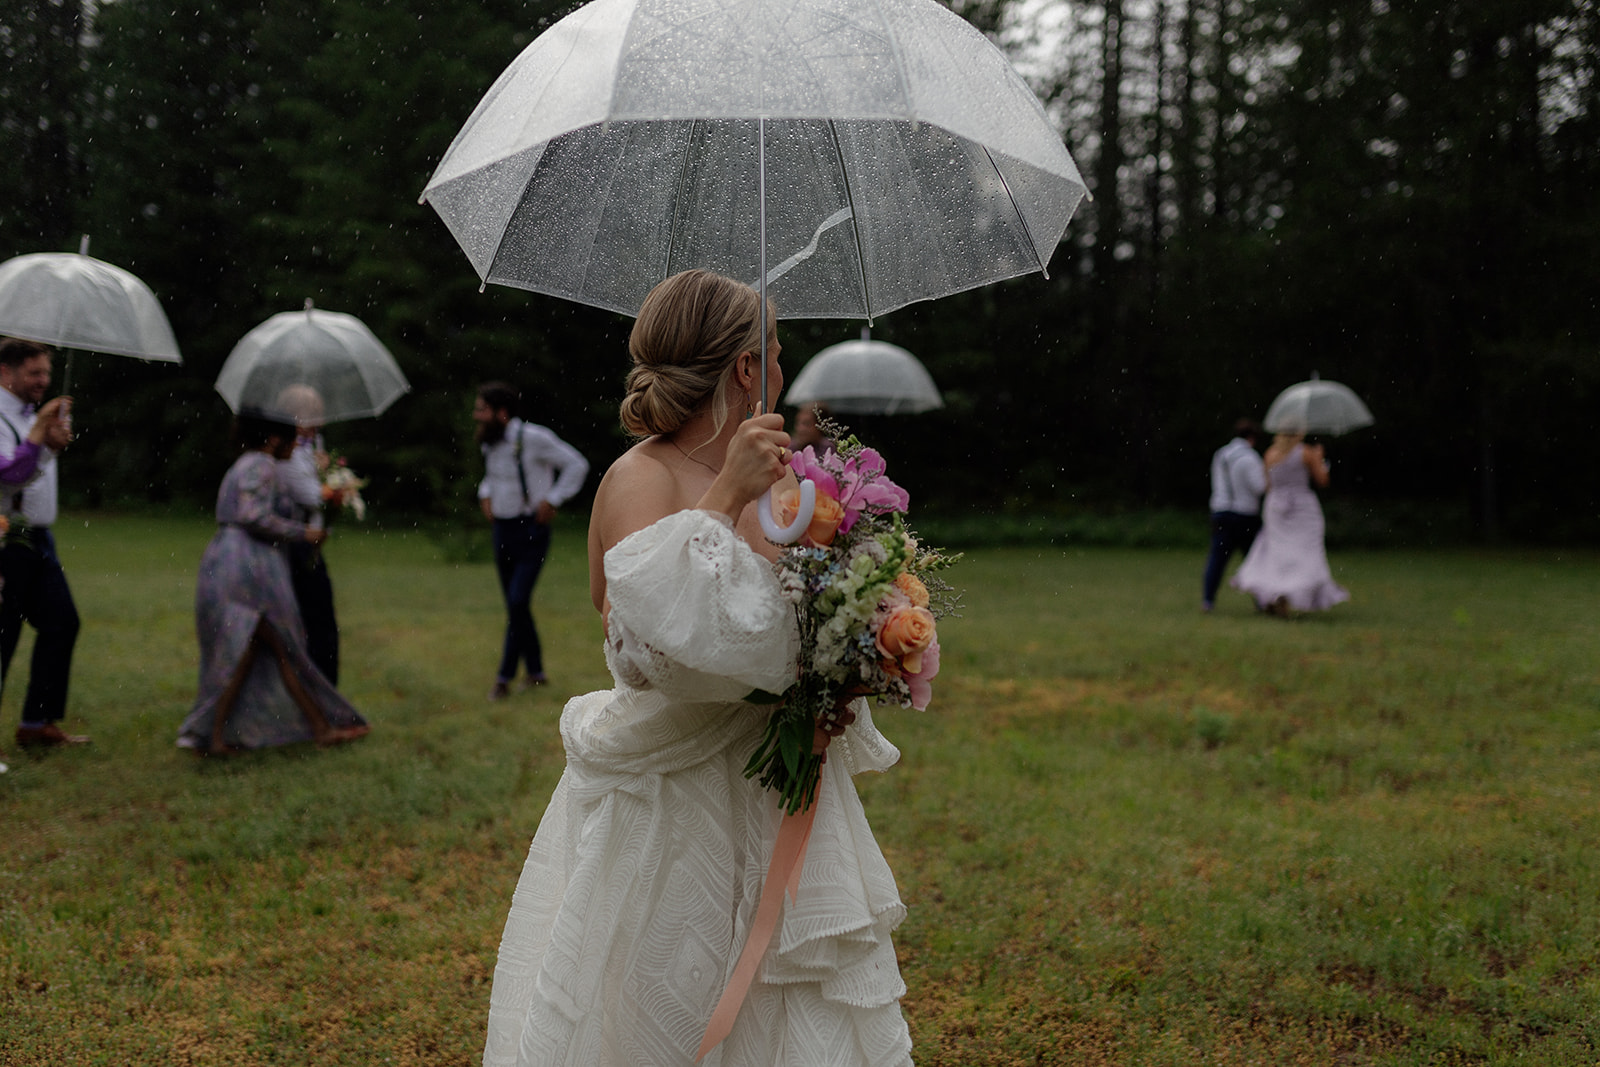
{"x": 640, "y": 887}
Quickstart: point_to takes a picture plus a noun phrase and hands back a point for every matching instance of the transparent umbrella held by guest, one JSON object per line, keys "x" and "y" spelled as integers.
{"x": 638, "y": 138}
{"x": 328, "y": 353}
{"x": 72, "y": 301}
{"x": 866, "y": 377}
{"x": 1317, "y": 406}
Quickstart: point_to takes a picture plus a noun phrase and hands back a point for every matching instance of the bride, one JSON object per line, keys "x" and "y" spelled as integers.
{"x": 641, "y": 885}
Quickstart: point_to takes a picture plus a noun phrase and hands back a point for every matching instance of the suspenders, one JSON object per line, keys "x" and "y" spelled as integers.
{"x": 516, "y": 452}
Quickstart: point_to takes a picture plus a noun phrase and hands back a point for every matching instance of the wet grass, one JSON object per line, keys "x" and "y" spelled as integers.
{"x": 1127, "y": 833}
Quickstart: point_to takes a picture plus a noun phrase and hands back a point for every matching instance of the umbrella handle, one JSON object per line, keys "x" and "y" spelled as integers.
{"x": 785, "y": 535}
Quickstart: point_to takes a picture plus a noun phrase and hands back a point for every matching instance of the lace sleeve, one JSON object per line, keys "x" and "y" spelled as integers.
{"x": 696, "y": 613}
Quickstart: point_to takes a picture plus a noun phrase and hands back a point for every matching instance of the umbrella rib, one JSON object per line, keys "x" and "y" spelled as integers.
{"x": 1027, "y": 233}
{"x": 677, "y": 197}
{"x": 855, "y": 221}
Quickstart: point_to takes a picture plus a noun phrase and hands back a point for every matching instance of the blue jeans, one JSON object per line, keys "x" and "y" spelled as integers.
{"x": 520, "y": 546}
{"x": 1230, "y": 532}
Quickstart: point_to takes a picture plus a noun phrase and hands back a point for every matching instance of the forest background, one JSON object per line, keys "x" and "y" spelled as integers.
{"x": 1400, "y": 196}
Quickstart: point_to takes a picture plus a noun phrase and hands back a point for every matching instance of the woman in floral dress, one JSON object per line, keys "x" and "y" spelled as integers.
{"x": 258, "y": 687}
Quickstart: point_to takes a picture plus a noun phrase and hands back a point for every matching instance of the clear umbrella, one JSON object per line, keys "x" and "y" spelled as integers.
{"x": 1317, "y": 406}
{"x": 866, "y": 377}
{"x": 311, "y": 366}
{"x": 74, "y": 301}
{"x": 628, "y": 142}
{"x": 637, "y": 138}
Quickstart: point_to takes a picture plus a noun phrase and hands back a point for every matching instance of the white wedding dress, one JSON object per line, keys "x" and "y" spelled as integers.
{"x": 646, "y": 870}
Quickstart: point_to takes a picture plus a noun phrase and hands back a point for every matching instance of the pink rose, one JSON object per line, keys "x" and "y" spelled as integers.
{"x": 921, "y": 682}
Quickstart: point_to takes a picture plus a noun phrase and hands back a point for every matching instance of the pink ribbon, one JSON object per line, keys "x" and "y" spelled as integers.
{"x": 783, "y": 875}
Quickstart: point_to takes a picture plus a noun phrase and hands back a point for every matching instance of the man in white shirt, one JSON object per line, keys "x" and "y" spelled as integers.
{"x": 300, "y": 478}
{"x": 1238, "y": 480}
{"x": 35, "y": 590}
{"x": 529, "y": 472}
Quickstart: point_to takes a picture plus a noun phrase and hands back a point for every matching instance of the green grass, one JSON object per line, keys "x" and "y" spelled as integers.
{"x": 1127, "y": 833}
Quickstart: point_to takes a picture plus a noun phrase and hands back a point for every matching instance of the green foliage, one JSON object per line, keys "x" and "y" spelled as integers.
{"x": 1396, "y": 195}
{"x": 1126, "y": 832}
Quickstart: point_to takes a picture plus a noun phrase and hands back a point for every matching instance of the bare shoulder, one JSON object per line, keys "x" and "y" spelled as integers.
{"x": 638, "y": 489}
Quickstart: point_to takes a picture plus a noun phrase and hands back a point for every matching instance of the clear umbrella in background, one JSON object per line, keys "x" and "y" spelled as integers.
{"x": 73, "y": 301}
{"x": 865, "y": 377}
{"x": 638, "y": 138}
{"x": 1317, "y": 406}
{"x": 333, "y": 354}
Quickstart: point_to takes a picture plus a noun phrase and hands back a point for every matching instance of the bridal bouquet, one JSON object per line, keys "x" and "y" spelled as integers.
{"x": 340, "y": 485}
{"x": 867, "y": 598}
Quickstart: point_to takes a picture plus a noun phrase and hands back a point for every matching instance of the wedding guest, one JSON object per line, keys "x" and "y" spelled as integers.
{"x": 529, "y": 473}
{"x": 1286, "y": 570}
{"x": 300, "y": 477}
{"x": 1238, "y": 479}
{"x": 258, "y": 687}
{"x": 806, "y": 431}
{"x": 640, "y": 888}
{"x": 35, "y": 585}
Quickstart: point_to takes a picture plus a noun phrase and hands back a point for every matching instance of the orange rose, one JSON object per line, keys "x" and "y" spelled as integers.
{"x": 905, "y": 635}
{"x": 912, "y": 587}
{"x": 825, "y": 519}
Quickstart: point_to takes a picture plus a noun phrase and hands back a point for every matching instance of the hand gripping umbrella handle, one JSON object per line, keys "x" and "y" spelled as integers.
{"x": 785, "y": 535}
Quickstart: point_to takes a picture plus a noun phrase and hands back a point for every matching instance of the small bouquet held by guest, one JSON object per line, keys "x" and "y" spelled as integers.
{"x": 867, "y": 598}
{"x": 341, "y": 487}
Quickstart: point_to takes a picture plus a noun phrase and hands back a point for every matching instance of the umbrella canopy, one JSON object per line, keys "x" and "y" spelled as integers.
{"x": 1317, "y": 406}
{"x": 311, "y": 367}
{"x": 73, "y": 301}
{"x": 907, "y": 159}
{"x": 866, "y": 377}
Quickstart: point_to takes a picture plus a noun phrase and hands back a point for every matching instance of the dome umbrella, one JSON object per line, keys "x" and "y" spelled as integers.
{"x": 1317, "y": 406}
{"x": 637, "y": 138}
{"x": 333, "y": 354}
{"x": 73, "y": 301}
{"x": 865, "y": 377}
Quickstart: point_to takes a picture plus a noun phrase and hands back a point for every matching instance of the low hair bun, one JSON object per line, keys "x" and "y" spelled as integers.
{"x": 690, "y": 330}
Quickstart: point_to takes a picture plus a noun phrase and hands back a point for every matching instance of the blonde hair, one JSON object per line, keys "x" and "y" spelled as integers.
{"x": 690, "y": 331}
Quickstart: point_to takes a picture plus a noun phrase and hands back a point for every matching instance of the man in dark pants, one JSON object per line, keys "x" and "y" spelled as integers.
{"x": 1238, "y": 480}
{"x": 529, "y": 472}
{"x": 300, "y": 479}
{"x": 36, "y": 590}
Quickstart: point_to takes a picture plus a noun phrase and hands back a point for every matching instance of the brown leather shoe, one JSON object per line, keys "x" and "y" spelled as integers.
{"x": 46, "y": 736}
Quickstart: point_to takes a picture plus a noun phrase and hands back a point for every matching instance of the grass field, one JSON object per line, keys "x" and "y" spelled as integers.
{"x": 1127, "y": 833}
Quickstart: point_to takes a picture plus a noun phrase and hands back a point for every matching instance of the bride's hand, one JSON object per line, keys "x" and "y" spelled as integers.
{"x": 757, "y": 457}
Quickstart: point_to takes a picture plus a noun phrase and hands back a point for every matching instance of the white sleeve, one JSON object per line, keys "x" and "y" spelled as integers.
{"x": 552, "y": 451}
{"x": 696, "y": 613}
{"x": 1254, "y": 473}
{"x": 297, "y": 477}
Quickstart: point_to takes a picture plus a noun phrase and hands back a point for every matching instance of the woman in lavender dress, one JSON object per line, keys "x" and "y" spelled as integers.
{"x": 245, "y": 606}
{"x": 1287, "y": 567}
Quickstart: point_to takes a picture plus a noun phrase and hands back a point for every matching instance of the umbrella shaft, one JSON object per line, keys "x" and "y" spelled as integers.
{"x": 761, "y": 214}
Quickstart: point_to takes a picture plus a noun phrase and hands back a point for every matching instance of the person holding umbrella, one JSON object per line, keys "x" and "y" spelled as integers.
{"x": 1286, "y": 569}
{"x": 647, "y": 869}
{"x": 300, "y": 477}
{"x": 35, "y": 585}
{"x": 529, "y": 472}
{"x": 258, "y": 688}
